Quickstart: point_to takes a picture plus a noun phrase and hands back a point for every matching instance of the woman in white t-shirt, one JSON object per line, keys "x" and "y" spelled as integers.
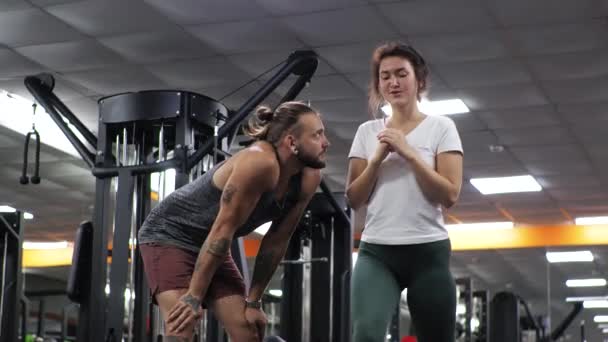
{"x": 404, "y": 168}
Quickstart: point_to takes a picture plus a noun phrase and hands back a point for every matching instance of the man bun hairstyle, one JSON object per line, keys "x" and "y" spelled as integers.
{"x": 266, "y": 124}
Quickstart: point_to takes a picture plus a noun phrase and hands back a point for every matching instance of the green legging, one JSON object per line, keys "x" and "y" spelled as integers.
{"x": 383, "y": 271}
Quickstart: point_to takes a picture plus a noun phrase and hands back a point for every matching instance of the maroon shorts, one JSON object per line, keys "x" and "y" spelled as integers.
{"x": 170, "y": 268}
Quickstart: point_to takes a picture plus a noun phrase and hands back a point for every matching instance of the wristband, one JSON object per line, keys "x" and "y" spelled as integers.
{"x": 255, "y": 304}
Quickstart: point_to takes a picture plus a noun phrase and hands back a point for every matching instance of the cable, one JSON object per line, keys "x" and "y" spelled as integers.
{"x": 252, "y": 80}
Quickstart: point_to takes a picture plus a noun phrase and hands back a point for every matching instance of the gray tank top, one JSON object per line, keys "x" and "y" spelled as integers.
{"x": 183, "y": 218}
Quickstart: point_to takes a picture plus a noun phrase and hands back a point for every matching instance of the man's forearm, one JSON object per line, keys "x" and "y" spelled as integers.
{"x": 212, "y": 254}
{"x": 266, "y": 263}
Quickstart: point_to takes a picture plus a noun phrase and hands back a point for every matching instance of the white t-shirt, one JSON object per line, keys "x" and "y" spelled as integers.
{"x": 398, "y": 213}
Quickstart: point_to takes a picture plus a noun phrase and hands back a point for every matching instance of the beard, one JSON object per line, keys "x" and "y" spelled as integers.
{"x": 309, "y": 160}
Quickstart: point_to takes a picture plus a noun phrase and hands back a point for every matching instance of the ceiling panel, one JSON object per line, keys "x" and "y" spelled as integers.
{"x": 360, "y": 80}
{"x": 281, "y": 8}
{"x": 468, "y": 122}
{"x": 113, "y": 80}
{"x": 10, "y": 141}
{"x": 326, "y": 32}
{"x": 8, "y": 155}
{"x": 520, "y": 117}
{"x": 46, "y": 3}
{"x": 12, "y": 65}
{"x": 343, "y": 130}
{"x": 92, "y": 17}
{"x": 33, "y": 26}
{"x": 493, "y": 97}
{"x": 517, "y": 199}
{"x": 578, "y": 90}
{"x": 597, "y": 151}
{"x": 13, "y": 5}
{"x": 199, "y": 73}
{"x": 450, "y": 47}
{"x": 570, "y": 65}
{"x": 522, "y": 12}
{"x": 72, "y": 56}
{"x": 64, "y": 89}
{"x": 261, "y": 62}
{"x": 478, "y": 140}
{"x": 501, "y": 169}
{"x": 555, "y": 152}
{"x": 482, "y": 157}
{"x": 534, "y": 136}
{"x": 558, "y": 168}
{"x": 589, "y": 132}
{"x": 584, "y": 112}
{"x": 578, "y": 193}
{"x": 567, "y": 181}
{"x": 561, "y": 38}
{"x": 343, "y": 110}
{"x": 158, "y": 46}
{"x": 414, "y": 17}
{"x": 189, "y": 12}
{"x": 228, "y": 94}
{"x": 247, "y": 36}
{"x": 332, "y": 87}
{"x": 349, "y": 58}
{"x": 474, "y": 74}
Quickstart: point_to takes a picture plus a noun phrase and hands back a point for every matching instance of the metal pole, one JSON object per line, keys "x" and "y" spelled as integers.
{"x": 120, "y": 255}
{"x": 3, "y": 286}
{"x": 43, "y": 97}
{"x": 41, "y": 311}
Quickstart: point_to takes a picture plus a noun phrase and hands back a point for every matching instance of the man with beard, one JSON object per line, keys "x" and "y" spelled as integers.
{"x": 185, "y": 241}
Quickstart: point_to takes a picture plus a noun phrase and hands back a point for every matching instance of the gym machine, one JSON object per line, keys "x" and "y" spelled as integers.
{"x": 141, "y": 133}
{"x": 11, "y": 283}
{"x": 316, "y": 274}
{"x": 507, "y": 323}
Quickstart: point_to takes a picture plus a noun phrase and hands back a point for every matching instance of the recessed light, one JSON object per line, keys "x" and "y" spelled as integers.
{"x": 588, "y": 298}
{"x": 7, "y": 209}
{"x": 595, "y": 304}
{"x": 574, "y": 256}
{"x": 585, "y": 282}
{"x": 45, "y": 245}
{"x": 590, "y": 220}
{"x": 501, "y": 185}
{"x": 600, "y": 319}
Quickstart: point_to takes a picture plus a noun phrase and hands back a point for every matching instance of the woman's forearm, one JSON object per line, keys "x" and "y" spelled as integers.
{"x": 359, "y": 190}
{"x": 434, "y": 186}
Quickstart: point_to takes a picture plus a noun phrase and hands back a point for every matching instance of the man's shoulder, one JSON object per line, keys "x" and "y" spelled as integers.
{"x": 257, "y": 162}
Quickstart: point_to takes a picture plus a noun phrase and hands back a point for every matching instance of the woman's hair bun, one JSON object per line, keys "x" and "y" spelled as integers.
{"x": 264, "y": 113}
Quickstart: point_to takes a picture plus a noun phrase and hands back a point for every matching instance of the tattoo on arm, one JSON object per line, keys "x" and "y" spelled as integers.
{"x": 265, "y": 265}
{"x": 192, "y": 302}
{"x": 228, "y": 193}
{"x": 219, "y": 247}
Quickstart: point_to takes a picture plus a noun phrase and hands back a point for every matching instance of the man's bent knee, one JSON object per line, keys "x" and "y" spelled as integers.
{"x": 241, "y": 331}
